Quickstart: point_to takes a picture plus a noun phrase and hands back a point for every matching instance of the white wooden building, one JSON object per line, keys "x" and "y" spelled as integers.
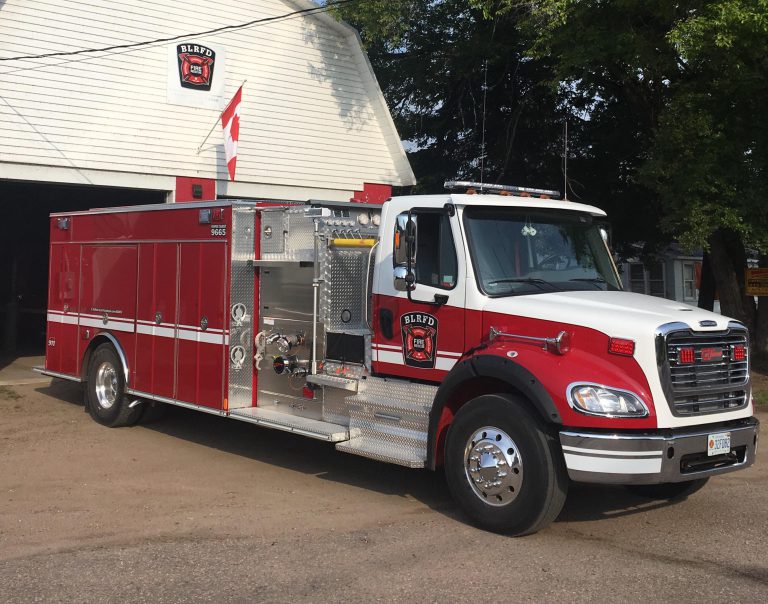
{"x": 314, "y": 122}
{"x": 118, "y": 126}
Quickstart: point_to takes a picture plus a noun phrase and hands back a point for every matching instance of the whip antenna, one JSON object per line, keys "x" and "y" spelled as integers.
{"x": 565, "y": 163}
{"x": 482, "y": 143}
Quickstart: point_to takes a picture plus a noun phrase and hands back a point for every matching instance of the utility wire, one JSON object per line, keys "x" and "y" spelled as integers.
{"x": 305, "y": 11}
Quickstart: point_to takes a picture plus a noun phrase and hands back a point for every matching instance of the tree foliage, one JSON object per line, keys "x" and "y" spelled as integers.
{"x": 665, "y": 104}
{"x": 433, "y": 60}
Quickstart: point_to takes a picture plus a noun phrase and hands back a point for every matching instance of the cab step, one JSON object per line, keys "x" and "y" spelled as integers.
{"x": 382, "y": 451}
{"x": 392, "y": 417}
{"x": 313, "y": 428}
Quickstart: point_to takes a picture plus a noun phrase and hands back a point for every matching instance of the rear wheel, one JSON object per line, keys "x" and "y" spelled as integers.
{"x": 668, "y": 490}
{"x": 105, "y": 390}
{"x": 503, "y": 466}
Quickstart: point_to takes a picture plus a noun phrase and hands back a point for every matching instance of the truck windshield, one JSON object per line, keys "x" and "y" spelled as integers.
{"x": 519, "y": 251}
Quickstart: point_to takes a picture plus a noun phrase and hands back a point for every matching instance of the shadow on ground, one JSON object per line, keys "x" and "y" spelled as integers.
{"x": 320, "y": 459}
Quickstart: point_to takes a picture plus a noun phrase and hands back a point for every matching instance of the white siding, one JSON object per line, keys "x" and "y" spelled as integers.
{"x": 312, "y": 114}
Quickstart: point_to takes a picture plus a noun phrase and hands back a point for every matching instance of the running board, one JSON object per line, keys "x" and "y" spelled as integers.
{"x": 55, "y": 374}
{"x": 294, "y": 423}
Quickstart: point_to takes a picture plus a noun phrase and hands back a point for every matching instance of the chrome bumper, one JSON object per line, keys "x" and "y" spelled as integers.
{"x": 655, "y": 457}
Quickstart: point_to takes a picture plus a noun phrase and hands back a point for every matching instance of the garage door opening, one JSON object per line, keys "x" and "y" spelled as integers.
{"x": 24, "y": 240}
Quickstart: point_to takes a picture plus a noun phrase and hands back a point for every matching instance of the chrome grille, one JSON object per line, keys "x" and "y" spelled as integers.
{"x": 715, "y": 381}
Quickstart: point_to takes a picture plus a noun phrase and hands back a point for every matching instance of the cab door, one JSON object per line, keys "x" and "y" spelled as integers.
{"x": 419, "y": 334}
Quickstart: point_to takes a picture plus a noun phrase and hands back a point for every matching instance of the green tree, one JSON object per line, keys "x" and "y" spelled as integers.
{"x": 665, "y": 105}
{"x": 429, "y": 59}
{"x": 432, "y": 60}
{"x": 709, "y": 162}
{"x": 695, "y": 74}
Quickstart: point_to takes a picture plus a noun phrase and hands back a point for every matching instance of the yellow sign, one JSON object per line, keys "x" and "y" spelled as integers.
{"x": 757, "y": 281}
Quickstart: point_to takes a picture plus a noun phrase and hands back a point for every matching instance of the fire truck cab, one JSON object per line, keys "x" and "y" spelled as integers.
{"x": 484, "y": 334}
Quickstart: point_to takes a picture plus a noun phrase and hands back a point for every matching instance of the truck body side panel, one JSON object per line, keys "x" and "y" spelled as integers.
{"x": 156, "y": 319}
{"x": 201, "y": 337}
{"x": 63, "y": 309}
{"x": 108, "y": 294}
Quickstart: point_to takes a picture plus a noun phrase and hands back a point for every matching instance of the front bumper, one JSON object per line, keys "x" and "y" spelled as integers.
{"x": 656, "y": 457}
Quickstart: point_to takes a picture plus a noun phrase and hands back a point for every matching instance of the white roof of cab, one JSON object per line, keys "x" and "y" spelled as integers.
{"x": 500, "y": 201}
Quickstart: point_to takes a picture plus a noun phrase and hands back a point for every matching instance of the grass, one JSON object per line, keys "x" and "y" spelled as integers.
{"x": 8, "y": 394}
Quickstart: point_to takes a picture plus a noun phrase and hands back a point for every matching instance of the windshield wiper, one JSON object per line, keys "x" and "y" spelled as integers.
{"x": 593, "y": 280}
{"x": 537, "y": 282}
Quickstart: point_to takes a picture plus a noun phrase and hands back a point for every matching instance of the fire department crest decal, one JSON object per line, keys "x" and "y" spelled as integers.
{"x": 419, "y": 339}
{"x": 196, "y": 63}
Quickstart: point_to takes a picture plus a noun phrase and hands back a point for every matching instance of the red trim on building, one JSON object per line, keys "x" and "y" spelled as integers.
{"x": 372, "y": 193}
{"x": 186, "y": 189}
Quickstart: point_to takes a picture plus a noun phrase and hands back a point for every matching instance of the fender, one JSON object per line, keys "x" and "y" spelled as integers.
{"x": 488, "y": 366}
{"x": 95, "y": 342}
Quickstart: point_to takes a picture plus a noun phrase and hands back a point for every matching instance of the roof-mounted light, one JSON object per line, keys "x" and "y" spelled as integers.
{"x": 479, "y": 187}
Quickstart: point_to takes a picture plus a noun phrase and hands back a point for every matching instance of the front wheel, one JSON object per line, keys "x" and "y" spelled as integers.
{"x": 105, "y": 390}
{"x": 503, "y": 467}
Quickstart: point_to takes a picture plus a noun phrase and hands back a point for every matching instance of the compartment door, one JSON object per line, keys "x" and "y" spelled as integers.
{"x": 63, "y": 308}
{"x": 201, "y": 322}
{"x": 108, "y": 295}
{"x": 156, "y": 320}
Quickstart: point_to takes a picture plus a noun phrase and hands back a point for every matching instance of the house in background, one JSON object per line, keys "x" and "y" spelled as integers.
{"x": 674, "y": 275}
{"x": 126, "y": 126}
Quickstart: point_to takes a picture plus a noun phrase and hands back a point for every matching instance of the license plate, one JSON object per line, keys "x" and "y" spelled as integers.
{"x": 720, "y": 443}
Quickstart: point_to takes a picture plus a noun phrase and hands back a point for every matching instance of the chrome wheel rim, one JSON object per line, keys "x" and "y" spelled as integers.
{"x": 493, "y": 466}
{"x": 106, "y": 385}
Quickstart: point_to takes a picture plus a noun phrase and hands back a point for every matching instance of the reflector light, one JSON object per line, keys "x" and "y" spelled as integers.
{"x": 621, "y": 346}
{"x": 739, "y": 353}
{"x": 686, "y": 356}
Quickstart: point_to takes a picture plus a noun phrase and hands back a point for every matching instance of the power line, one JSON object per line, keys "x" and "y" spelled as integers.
{"x": 305, "y": 11}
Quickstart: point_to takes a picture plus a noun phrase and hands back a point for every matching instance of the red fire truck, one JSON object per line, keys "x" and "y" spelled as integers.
{"x": 486, "y": 334}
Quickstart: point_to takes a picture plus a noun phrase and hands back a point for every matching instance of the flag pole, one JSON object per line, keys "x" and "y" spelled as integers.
{"x": 207, "y": 136}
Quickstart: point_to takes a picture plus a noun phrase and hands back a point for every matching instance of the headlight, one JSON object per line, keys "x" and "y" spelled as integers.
{"x": 594, "y": 399}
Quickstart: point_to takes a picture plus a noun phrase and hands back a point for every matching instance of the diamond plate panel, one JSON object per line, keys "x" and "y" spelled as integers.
{"x": 292, "y": 235}
{"x": 301, "y": 236}
{"x": 388, "y": 437}
{"x": 344, "y": 295}
{"x": 335, "y": 406}
{"x": 294, "y": 423}
{"x": 405, "y": 395}
{"x": 241, "y": 311}
{"x": 392, "y": 418}
{"x": 273, "y": 229}
{"x": 380, "y": 452}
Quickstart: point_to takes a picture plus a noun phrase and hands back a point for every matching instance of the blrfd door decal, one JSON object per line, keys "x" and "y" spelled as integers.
{"x": 419, "y": 331}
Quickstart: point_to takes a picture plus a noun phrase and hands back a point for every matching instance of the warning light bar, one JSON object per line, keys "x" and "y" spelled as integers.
{"x": 467, "y": 185}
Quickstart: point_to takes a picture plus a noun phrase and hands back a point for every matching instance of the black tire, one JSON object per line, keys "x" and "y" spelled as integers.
{"x": 668, "y": 490}
{"x": 534, "y": 495}
{"x": 105, "y": 374}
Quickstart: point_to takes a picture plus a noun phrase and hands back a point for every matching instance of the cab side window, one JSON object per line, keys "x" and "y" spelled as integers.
{"x": 436, "y": 263}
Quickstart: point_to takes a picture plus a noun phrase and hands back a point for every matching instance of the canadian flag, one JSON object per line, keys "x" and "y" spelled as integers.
{"x": 230, "y": 121}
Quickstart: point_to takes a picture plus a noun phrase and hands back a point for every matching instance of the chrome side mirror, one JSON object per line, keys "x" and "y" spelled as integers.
{"x": 403, "y": 279}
